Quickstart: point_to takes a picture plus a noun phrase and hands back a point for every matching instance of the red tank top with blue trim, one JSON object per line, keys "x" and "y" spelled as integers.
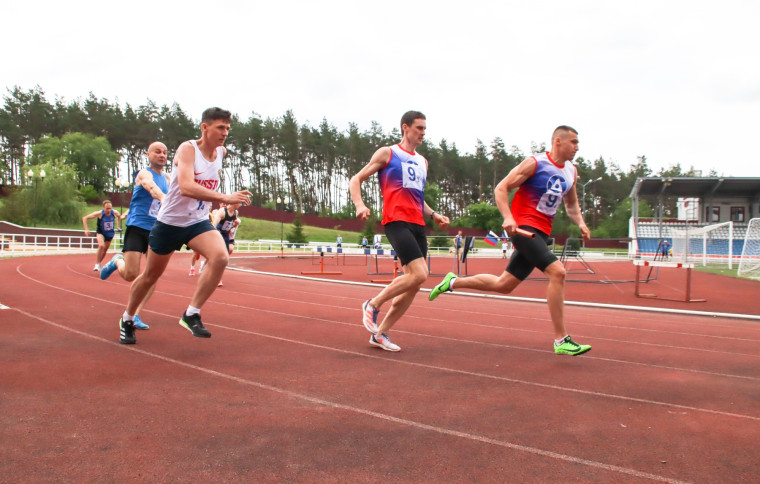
{"x": 402, "y": 183}
{"x": 538, "y": 198}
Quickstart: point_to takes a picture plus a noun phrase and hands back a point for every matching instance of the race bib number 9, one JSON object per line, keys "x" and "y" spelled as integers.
{"x": 549, "y": 202}
{"x": 414, "y": 176}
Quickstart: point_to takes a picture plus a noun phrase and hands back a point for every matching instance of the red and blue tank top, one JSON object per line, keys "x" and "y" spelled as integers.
{"x": 536, "y": 201}
{"x": 402, "y": 183}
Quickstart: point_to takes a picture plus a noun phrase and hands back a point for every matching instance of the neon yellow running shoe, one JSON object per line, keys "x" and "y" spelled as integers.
{"x": 443, "y": 286}
{"x": 570, "y": 347}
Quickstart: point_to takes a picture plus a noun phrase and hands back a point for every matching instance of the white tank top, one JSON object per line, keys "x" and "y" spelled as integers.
{"x": 182, "y": 211}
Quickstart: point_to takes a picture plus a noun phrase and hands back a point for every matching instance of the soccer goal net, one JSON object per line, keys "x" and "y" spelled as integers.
{"x": 749, "y": 264}
{"x": 711, "y": 244}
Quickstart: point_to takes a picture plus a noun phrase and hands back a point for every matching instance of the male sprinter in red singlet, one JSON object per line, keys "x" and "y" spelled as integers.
{"x": 402, "y": 173}
{"x": 543, "y": 180}
{"x": 183, "y": 219}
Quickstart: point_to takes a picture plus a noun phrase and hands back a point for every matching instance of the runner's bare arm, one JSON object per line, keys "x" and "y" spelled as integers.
{"x": 184, "y": 163}
{"x": 441, "y": 221}
{"x": 514, "y": 179}
{"x": 95, "y": 214}
{"x": 145, "y": 179}
{"x": 574, "y": 213}
{"x": 376, "y": 163}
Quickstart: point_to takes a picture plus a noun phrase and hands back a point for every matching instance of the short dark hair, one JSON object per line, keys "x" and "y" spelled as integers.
{"x": 213, "y": 114}
{"x": 409, "y": 117}
{"x": 562, "y": 129}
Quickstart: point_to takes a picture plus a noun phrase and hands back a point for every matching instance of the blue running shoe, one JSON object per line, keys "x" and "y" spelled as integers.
{"x": 139, "y": 323}
{"x": 108, "y": 269}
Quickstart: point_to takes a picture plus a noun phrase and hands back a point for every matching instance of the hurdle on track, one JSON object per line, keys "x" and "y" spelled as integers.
{"x": 322, "y": 250}
{"x": 322, "y": 270}
{"x": 638, "y": 263}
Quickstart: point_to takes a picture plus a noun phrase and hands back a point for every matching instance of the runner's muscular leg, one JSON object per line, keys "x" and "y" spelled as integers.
{"x": 415, "y": 274}
{"x": 403, "y": 294}
{"x": 504, "y": 284}
{"x": 129, "y": 267}
{"x": 154, "y": 268}
{"x": 555, "y": 297}
{"x": 211, "y": 246}
{"x": 102, "y": 248}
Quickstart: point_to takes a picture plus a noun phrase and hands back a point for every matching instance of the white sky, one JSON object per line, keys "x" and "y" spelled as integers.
{"x": 676, "y": 81}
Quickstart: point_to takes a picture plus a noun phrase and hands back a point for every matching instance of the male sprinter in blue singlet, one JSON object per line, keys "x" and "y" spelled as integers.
{"x": 151, "y": 185}
{"x": 401, "y": 173}
{"x": 544, "y": 180}
{"x": 183, "y": 220}
{"x": 108, "y": 219}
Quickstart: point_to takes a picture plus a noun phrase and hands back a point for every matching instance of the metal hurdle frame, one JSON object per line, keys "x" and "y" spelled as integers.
{"x": 638, "y": 263}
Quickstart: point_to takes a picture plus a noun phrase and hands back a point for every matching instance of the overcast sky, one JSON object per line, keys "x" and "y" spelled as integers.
{"x": 676, "y": 81}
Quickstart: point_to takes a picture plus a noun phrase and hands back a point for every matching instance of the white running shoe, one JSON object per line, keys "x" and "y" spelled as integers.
{"x": 384, "y": 342}
{"x": 369, "y": 316}
{"x": 96, "y": 268}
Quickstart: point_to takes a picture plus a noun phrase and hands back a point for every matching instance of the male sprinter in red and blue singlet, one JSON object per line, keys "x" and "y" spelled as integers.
{"x": 402, "y": 173}
{"x": 544, "y": 180}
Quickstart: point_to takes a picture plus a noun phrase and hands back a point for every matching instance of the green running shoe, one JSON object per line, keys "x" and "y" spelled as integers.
{"x": 570, "y": 347}
{"x": 443, "y": 286}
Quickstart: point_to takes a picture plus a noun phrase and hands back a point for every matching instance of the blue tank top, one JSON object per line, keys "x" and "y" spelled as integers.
{"x": 106, "y": 223}
{"x": 143, "y": 208}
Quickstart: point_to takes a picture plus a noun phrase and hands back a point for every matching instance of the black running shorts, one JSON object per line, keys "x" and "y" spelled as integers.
{"x": 529, "y": 254}
{"x": 165, "y": 239}
{"x": 408, "y": 240}
{"x": 107, "y": 238}
{"x": 136, "y": 239}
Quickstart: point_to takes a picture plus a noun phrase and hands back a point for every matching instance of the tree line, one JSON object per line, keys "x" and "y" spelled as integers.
{"x": 284, "y": 163}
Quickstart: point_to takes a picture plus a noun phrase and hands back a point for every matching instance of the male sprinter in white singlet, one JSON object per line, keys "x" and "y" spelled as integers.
{"x": 184, "y": 220}
{"x": 544, "y": 180}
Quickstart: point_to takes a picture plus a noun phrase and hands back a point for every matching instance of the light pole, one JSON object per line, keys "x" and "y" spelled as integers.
{"x": 583, "y": 192}
{"x": 279, "y": 207}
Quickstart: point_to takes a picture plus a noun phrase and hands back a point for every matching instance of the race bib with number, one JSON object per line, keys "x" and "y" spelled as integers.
{"x": 155, "y": 205}
{"x": 414, "y": 176}
{"x": 549, "y": 201}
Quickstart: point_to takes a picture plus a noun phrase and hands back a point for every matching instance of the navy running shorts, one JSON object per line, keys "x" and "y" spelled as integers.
{"x": 165, "y": 239}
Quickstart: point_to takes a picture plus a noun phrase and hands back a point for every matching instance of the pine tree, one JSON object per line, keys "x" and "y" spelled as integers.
{"x": 296, "y": 235}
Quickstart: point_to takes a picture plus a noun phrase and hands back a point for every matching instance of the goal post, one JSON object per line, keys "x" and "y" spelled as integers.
{"x": 749, "y": 263}
{"x": 709, "y": 244}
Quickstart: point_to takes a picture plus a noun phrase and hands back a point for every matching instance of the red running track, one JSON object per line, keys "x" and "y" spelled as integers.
{"x": 288, "y": 389}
